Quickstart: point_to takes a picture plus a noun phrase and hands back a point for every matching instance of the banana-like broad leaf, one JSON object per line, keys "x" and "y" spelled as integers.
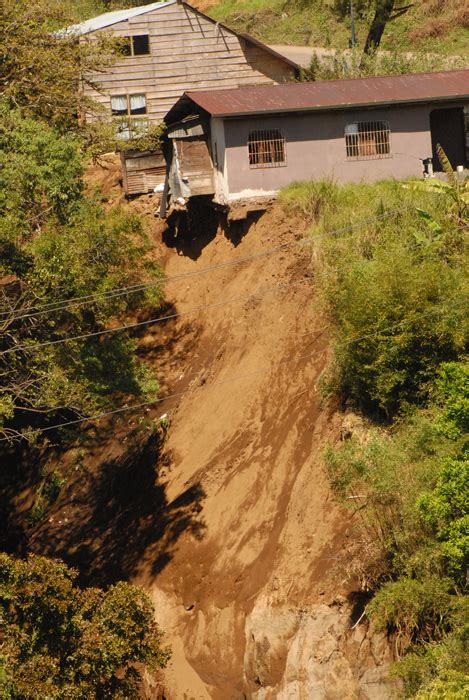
{"x": 430, "y": 221}
{"x": 447, "y": 167}
{"x": 427, "y": 186}
{"x": 421, "y": 237}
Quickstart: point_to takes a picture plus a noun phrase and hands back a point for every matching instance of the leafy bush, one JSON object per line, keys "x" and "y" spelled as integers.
{"x": 446, "y": 510}
{"x": 56, "y": 245}
{"x": 384, "y": 281}
{"x": 453, "y": 391}
{"x": 60, "y": 641}
{"x": 435, "y": 670}
{"x": 409, "y": 487}
{"x": 417, "y": 610}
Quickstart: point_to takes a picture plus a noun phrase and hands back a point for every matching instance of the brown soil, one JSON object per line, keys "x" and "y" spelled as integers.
{"x": 233, "y": 506}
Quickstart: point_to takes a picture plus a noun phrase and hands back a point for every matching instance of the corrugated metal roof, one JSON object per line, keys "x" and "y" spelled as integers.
{"x": 110, "y": 18}
{"x": 327, "y": 94}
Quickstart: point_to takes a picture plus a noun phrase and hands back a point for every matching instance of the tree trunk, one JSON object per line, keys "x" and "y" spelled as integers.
{"x": 383, "y": 12}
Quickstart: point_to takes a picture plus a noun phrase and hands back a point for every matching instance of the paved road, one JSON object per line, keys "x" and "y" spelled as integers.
{"x": 301, "y": 54}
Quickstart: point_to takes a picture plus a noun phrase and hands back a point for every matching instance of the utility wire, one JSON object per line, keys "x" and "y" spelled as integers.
{"x": 161, "y": 319}
{"x": 236, "y": 378}
{"x": 132, "y": 289}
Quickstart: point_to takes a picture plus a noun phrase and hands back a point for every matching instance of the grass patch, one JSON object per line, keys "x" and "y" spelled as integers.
{"x": 434, "y": 26}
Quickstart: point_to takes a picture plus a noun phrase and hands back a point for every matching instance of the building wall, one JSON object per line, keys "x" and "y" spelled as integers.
{"x": 315, "y": 148}
{"x": 187, "y": 51}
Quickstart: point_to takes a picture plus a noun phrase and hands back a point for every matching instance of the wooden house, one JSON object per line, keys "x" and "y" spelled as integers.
{"x": 256, "y": 140}
{"x": 172, "y": 48}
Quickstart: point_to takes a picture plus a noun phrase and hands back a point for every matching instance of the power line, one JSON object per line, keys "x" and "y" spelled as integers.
{"x": 161, "y": 319}
{"x": 132, "y": 289}
{"x": 236, "y": 378}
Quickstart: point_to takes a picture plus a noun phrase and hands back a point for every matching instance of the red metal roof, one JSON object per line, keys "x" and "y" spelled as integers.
{"x": 329, "y": 94}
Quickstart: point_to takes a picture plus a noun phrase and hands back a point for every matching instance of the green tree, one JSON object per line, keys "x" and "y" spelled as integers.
{"x": 385, "y": 11}
{"x": 41, "y": 68}
{"x": 60, "y": 641}
{"x": 56, "y": 245}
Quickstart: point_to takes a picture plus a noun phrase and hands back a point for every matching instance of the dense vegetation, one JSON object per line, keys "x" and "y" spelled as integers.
{"x": 60, "y": 641}
{"x": 62, "y": 256}
{"x": 57, "y": 244}
{"x": 396, "y": 291}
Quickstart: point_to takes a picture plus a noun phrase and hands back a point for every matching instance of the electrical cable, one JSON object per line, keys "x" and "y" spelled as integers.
{"x": 236, "y": 378}
{"x": 161, "y": 319}
{"x": 122, "y": 291}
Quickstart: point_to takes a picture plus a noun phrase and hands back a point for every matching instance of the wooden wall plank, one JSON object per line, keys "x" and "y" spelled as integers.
{"x": 188, "y": 52}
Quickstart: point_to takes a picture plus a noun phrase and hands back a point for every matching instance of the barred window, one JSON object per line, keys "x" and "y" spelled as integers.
{"x": 266, "y": 149}
{"x": 368, "y": 140}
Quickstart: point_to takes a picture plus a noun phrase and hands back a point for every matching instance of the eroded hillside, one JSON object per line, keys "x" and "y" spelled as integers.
{"x": 227, "y": 518}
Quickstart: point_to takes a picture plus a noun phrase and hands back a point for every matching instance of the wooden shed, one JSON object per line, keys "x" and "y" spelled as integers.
{"x": 142, "y": 171}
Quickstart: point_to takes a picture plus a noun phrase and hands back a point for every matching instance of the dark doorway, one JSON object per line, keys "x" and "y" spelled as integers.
{"x": 447, "y": 129}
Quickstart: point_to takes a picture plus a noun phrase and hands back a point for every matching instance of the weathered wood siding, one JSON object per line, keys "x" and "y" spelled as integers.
{"x": 142, "y": 172}
{"x": 188, "y": 51}
{"x": 195, "y": 165}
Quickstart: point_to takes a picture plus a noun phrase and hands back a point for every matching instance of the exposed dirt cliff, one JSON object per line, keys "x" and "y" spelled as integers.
{"x": 229, "y": 523}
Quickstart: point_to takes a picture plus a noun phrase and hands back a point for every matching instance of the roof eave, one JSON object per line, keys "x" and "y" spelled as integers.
{"x": 112, "y": 23}
{"x": 329, "y": 108}
{"x": 265, "y": 47}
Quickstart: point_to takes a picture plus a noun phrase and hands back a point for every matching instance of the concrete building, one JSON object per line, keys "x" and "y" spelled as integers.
{"x": 250, "y": 142}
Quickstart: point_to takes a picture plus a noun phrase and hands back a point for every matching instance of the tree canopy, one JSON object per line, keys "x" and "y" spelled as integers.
{"x": 56, "y": 244}
{"x": 61, "y": 641}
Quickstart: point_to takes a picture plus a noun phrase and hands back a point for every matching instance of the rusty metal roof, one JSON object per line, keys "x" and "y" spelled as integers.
{"x": 330, "y": 94}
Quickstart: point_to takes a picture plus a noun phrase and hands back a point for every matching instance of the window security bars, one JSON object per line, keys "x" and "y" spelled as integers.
{"x": 266, "y": 149}
{"x": 368, "y": 140}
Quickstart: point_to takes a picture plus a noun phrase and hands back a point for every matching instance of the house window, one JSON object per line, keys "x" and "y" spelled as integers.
{"x": 138, "y": 45}
{"x": 129, "y": 108}
{"x": 266, "y": 149}
{"x": 368, "y": 140}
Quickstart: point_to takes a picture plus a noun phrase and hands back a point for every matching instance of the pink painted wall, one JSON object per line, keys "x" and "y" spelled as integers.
{"x": 315, "y": 147}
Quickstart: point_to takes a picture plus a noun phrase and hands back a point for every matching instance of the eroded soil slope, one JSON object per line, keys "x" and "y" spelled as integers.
{"x": 230, "y": 525}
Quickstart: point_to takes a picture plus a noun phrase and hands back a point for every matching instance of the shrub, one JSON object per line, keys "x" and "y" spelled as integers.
{"x": 395, "y": 295}
{"x": 60, "y": 641}
{"x": 417, "y": 610}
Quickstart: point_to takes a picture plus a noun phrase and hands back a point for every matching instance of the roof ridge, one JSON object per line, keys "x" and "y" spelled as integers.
{"x": 321, "y": 83}
{"x": 104, "y": 19}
